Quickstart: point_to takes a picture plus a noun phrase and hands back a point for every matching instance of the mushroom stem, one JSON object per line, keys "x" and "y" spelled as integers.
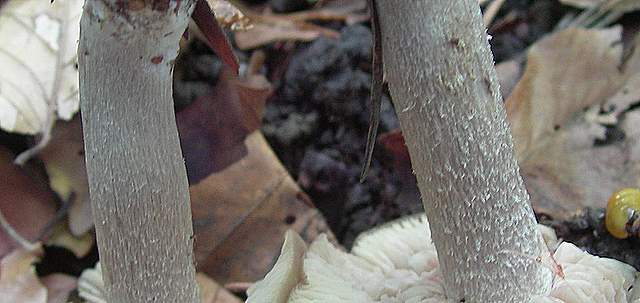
{"x": 440, "y": 71}
{"x": 137, "y": 178}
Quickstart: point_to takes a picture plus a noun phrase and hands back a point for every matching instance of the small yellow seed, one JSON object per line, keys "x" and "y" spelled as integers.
{"x": 620, "y": 211}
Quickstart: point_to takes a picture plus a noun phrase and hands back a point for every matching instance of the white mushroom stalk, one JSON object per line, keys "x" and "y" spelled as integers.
{"x": 398, "y": 263}
{"x": 136, "y": 173}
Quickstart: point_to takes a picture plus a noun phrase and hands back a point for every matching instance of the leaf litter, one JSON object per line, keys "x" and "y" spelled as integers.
{"x": 579, "y": 138}
{"x": 560, "y": 113}
{"x": 42, "y": 85}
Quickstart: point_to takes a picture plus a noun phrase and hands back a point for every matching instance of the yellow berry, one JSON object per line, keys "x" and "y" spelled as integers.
{"x": 622, "y": 209}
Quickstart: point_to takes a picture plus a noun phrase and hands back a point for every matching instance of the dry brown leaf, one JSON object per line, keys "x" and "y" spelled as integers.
{"x": 556, "y": 116}
{"x": 25, "y": 201}
{"x": 569, "y": 172}
{"x": 18, "y": 279}
{"x": 64, "y": 161}
{"x": 59, "y": 286}
{"x": 212, "y": 292}
{"x": 296, "y": 26}
{"x": 348, "y": 11}
{"x": 566, "y": 72}
{"x": 269, "y": 29}
{"x": 241, "y": 213}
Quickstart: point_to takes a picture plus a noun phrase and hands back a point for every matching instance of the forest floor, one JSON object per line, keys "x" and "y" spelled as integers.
{"x": 315, "y": 119}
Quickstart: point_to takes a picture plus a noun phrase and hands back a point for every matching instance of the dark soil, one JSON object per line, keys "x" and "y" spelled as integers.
{"x": 586, "y": 230}
{"x": 317, "y": 124}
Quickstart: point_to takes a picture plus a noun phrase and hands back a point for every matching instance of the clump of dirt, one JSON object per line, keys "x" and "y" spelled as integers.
{"x": 317, "y": 124}
{"x": 586, "y": 229}
{"x": 196, "y": 73}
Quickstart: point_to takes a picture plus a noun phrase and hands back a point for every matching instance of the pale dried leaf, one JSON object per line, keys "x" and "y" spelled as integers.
{"x": 42, "y": 81}
{"x": 296, "y": 26}
{"x": 568, "y": 172}
{"x": 558, "y": 111}
{"x": 269, "y": 31}
{"x": 551, "y": 91}
{"x": 18, "y": 279}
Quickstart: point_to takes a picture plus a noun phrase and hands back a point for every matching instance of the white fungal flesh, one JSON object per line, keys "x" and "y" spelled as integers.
{"x": 284, "y": 276}
{"x": 398, "y": 263}
{"x": 90, "y": 285}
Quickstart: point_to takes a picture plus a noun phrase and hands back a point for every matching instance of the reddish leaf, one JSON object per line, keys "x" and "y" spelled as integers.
{"x": 26, "y": 201}
{"x": 213, "y": 128}
{"x": 206, "y": 21}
